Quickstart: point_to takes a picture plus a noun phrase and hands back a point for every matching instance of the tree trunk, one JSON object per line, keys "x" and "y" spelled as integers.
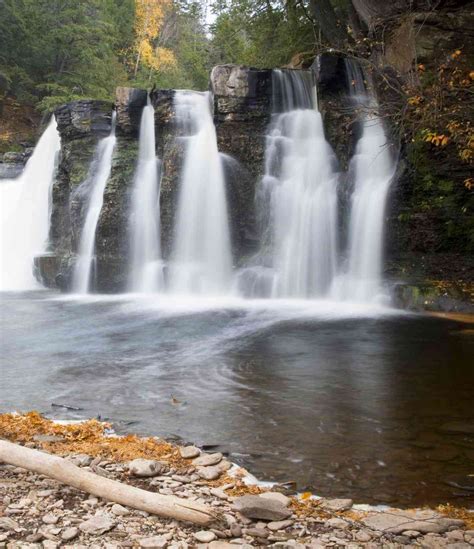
{"x": 112, "y": 490}
{"x": 325, "y": 18}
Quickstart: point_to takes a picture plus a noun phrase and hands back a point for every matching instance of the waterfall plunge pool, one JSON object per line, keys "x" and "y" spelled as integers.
{"x": 346, "y": 400}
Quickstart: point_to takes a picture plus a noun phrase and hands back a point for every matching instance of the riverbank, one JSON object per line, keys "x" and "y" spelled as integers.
{"x": 36, "y": 511}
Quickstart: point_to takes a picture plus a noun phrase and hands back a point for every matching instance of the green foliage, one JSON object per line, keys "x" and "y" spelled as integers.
{"x": 57, "y": 50}
{"x": 436, "y": 194}
{"x": 260, "y": 33}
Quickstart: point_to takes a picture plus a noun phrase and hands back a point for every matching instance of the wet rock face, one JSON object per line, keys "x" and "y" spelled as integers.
{"x": 12, "y": 163}
{"x": 81, "y": 125}
{"x": 341, "y": 125}
{"x": 242, "y": 109}
{"x": 83, "y": 118}
{"x": 129, "y": 103}
{"x": 171, "y": 154}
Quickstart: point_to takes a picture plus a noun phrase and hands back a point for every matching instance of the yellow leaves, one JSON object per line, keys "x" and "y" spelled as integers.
{"x": 455, "y": 54}
{"x": 149, "y": 16}
{"x": 415, "y": 100}
{"x": 306, "y": 495}
{"x": 421, "y": 67}
{"x": 149, "y": 19}
{"x": 471, "y": 75}
{"x": 435, "y": 139}
{"x": 469, "y": 183}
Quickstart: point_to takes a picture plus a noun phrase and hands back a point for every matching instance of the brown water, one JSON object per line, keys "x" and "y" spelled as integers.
{"x": 345, "y": 400}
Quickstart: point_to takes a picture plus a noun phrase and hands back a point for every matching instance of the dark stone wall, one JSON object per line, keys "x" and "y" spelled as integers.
{"x": 242, "y": 109}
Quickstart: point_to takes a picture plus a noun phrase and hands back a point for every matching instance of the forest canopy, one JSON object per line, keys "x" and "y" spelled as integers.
{"x": 54, "y": 51}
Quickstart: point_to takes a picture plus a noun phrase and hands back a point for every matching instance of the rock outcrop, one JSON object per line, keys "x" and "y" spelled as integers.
{"x": 242, "y": 109}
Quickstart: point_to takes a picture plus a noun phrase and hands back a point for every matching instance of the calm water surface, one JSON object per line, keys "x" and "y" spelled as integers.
{"x": 345, "y": 400}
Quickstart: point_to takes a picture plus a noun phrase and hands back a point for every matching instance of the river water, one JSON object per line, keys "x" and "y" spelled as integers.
{"x": 346, "y": 400}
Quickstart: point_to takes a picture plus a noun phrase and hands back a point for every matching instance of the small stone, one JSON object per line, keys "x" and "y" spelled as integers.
{"x": 362, "y": 536}
{"x": 69, "y": 533}
{"x": 279, "y": 525}
{"x": 219, "y": 493}
{"x": 337, "y": 523}
{"x": 49, "y": 518}
{"x": 221, "y": 545}
{"x": 81, "y": 460}
{"x": 235, "y": 531}
{"x": 49, "y": 544}
{"x": 48, "y": 438}
{"x": 97, "y": 525}
{"x": 336, "y": 505}
{"x": 145, "y": 467}
{"x": 257, "y": 507}
{"x": 7, "y": 523}
{"x": 411, "y": 533}
{"x": 119, "y": 510}
{"x": 155, "y": 542}
{"x": 205, "y": 460}
{"x": 204, "y": 536}
{"x": 189, "y": 452}
{"x": 256, "y": 532}
{"x": 209, "y": 473}
{"x": 277, "y": 496}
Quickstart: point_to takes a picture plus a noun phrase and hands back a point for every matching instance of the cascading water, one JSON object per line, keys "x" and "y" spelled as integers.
{"x": 25, "y": 208}
{"x": 372, "y": 168}
{"x": 297, "y": 198}
{"x": 201, "y": 260}
{"x": 147, "y": 268}
{"x": 96, "y": 182}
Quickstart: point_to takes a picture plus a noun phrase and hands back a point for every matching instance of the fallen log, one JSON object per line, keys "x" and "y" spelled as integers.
{"x": 111, "y": 490}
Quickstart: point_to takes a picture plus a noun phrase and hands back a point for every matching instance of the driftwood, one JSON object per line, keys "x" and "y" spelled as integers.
{"x": 111, "y": 490}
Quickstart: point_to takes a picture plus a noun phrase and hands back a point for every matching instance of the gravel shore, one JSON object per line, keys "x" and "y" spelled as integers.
{"x": 38, "y": 512}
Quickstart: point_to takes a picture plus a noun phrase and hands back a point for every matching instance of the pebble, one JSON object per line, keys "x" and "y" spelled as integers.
{"x": 189, "y": 452}
{"x": 204, "y": 536}
{"x": 97, "y": 525}
{"x": 277, "y": 496}
{"x": 279, "y": 525}
{"x": 154, "y": 542}
{"x": 207, "y": 459}
{"x": 209, "y": 473}
{"x": 336, "y": 505}
{"x": 69, "y": 533}
{"x": 49, "y": 518}
{"x": 145, "y": 467}
{"x": 119, "y": 510}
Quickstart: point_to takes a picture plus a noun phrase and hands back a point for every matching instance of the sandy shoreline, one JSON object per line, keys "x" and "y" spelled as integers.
{"x": 39, "y": 512}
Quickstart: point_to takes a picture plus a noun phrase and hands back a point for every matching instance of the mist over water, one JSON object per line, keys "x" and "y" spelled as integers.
{"x": 25, "y": 207}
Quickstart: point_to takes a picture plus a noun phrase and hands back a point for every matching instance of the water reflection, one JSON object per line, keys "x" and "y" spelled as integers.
{"x": 344, "y": 402}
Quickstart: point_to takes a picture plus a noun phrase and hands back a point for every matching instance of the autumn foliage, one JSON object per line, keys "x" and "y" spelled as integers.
{"x": 147, "y": 49}
{"x": 437, "y": 107}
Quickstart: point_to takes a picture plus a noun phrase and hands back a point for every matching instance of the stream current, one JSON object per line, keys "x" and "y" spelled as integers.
{"x": 347, "y": 400}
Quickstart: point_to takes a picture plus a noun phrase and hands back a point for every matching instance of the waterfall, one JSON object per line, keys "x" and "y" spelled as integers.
{"x": 201, "y": 260}
{"x": 25, "y": 205}
{"x": 96, "y": 182}
{"x": 146, "y": 265}
{"x": 372, "y": 169}
{"x": 297, "y": 198}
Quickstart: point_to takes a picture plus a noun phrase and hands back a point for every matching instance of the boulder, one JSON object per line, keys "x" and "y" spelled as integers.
{"x": 97, "y": 525}
{"x": 189, "y": 452}
{"x": 145, "y": 467}
{"x": 256, "y": 507}
{"x": 396, "y": 521}
{"x": 207, "y": 459}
